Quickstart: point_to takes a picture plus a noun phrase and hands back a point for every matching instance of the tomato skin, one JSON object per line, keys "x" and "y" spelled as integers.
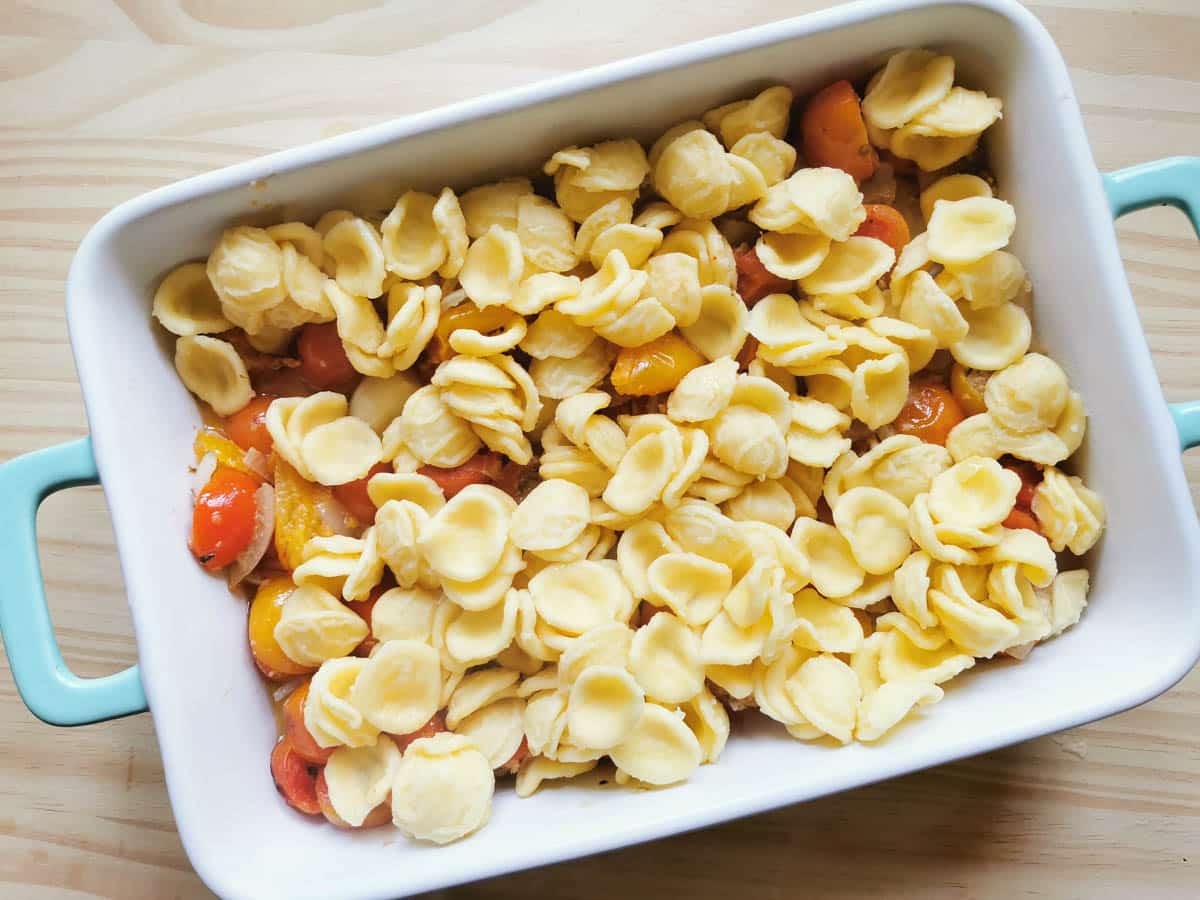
{"x": 223, "y": 518}
{"x": 353, "y": 495}
{"x": 436, "y": 725}
{"x": 482, "y": 468}
{"x": 248, "y": 426}
{"x": 885, "y": 223}
{"x": 833, "y": 133}
{"x": 513, "y": 763}
{"x": 323, "y": 360}
{"x": 1031, "y": 477}
{"x": 1022, "y": 518}
{"x": 294, "y": 779}
{"x": 265, "y": 611}
{"x": 654, "y": 368}
{"x": 296, "y": 732}
{"x": 930, "y": 413}
{"x": 364, "y": 609}
{"x": 753, "y": 280}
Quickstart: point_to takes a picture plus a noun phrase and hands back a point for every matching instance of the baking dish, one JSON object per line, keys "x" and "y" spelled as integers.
{"x": 1141, "y": 634}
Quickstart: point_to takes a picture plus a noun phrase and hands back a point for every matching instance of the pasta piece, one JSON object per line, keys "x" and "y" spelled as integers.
{"x": 539, "y": 769}
{"x": 465, "y": 540}
{"x": 442, "y": 790}
{"x": 356, "y": 251}
{"x": 792, "y": 256}
{"x": 604, "y": 706}
{"x": 827, "y": 693}
{"x": 693, "y": 174}
{"x": 851, "y": 266}
{"x": 1071, "y": 515}
{"x": 911, "y": 82}
{"x": 212, "y": 370}
{"x": 360, "y": 778}
{"x": 664, "y": 657}
{"x": 660, "y": 750}
{"x": 875, "y": 524}
{"x": 961, "y": 113}
{"x": 1029, "y": 395}
{"x": 766, "y": 112}
{"x": 835, "y": 571}
{"x": 413, "y": 246}
{"x": 964, "y": 231}
{"x": 975, "y": 493}
{"x": 493, "y": 267}
{"x": 493, "y": 204}
{"x": 378, "y": 401}
{"x": 951, "y": 188}
{"x": 546, "y": 234}
{"x": 315, "y": 626}
{"x": 551, "y": 516}
{"x": 690, "y": 585}
{"x": 329, "y": 715}
{"x": 720, "y": 329}
{"x": 997, "y": 336}
{"x": 773, "y": 157}
{"x": 576, "y": 597}
{"x": 821, "y": 200}
{"x": 186, "y": 302}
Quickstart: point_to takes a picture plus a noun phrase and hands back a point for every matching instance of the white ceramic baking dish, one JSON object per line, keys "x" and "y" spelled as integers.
{"x": 1141, "y": 632}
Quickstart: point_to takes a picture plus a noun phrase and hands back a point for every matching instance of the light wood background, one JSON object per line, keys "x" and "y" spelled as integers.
{"x": 101, "y": 100}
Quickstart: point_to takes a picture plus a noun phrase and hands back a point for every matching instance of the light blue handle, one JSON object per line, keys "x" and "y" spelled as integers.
{"x": 52, "y": 692}
{"x": 1174, "y": 181}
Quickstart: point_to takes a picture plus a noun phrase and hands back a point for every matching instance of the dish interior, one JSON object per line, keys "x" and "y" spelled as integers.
{"x": 212, "y": 713}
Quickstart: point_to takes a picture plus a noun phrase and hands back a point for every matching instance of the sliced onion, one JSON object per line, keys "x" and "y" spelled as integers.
{"x": 264, "y": 529}
{"x": 258, "y": 463}
{"x": 1020, "y": 651}
{"x": 204, "y": 472}
{"x": 285, "y": 690}
{"x": 335, "y": 516}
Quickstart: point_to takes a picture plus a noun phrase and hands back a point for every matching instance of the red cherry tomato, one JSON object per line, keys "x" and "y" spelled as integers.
{"x": 1021, "y": 518}
{"x": 323, "y": 360}
{"x": 353, "y": 495}
{"x": 223, "y": 518}
{"x": 436, "y": 725}
{"x": 753, "y": 280}
{"x": 295, "y": 778}
{"x": 1031, "y": 477}
{"x": 296, "y": 732}
{"x": 248, "y": 426}
{"x": 482, "y": 468}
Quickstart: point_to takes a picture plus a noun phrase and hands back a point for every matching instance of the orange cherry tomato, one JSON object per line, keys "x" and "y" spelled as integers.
{"x": 295, "y": 778}
{"x": 323, "y": 360}
{"x": 833, "y": 133}
{"x": 885, "y": 223}
{"x": 753, "y": 280}
{"x": 436, "y": 725}
{"x": 654, "y": 368}
{"x": 353, "y": 495}
{"x": 467, "y": 315}
{"x": 482, "y": 468}
{"x": 248, "y": 426}
{"x": 380, "y": 815}
{"x": 297, "y": 733}
{"x": 930, "y": 413}
{"x": 1021, "y": 518}
{"x": 265, "y": 610}
{"x": 223, "y": 518}
{"x": 968, "y": 385}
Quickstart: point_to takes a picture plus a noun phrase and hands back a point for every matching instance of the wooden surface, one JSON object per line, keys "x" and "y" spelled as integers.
{"x": 104, "y": 99}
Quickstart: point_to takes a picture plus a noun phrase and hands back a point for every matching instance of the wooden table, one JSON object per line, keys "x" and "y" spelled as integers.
{"x": 103, "y": 100}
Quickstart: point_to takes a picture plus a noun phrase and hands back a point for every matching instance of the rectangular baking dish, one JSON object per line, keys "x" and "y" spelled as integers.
{"x": 1139, "y": 636}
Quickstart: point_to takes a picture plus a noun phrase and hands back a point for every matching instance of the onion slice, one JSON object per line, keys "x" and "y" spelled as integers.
{"x": 258, "y": 463}
{"x": 203, "y": 472}
{"x": 1020, "y": 651}
{"x": 264, "y": 529}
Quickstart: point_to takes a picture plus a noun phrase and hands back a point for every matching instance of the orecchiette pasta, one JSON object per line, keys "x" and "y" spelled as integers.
{"x": 682, "y": 434}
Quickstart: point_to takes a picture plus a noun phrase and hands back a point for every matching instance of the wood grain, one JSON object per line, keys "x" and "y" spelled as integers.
{"x": 106, "y": 99}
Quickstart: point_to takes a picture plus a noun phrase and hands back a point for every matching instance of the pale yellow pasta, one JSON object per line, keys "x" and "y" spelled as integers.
{"x": 412, "y": 244}
{"x": 720, "y": 329}
{"x": 246, "y": 270}
{"x": 792, "y": 256}
{"x": 465, "y": 540}
{"x": 574, "y": 597}
{"x": 851, "y": 266}
{"x": 340, "y": 451}
{"x": 982, "y": 435}
{"x": 951, "y": 188}
{"x": 961, "y": 113}
{"x": 546, "y": 234}
{"x": 693, "y": 174}
{"x": 639, "y": 546}
{"x": 1029, "y": 395}
{"x": 927, "y": 306}
{"x": 315, "y": 626}
{"x": 931, "y": 153}
{"x": 660, "y": 750}
{"x": 539, "y": 769}
{"x": 1072, "y": 516}
{"x": 379, "y": 401}
{"x": 551, "y": 516}
{"x": 773, "y": 157}
{"x": 359, "y": 779}
{"x": 496, "y": 396}
{"x": 997, "y": 336}
{"x": 493, "y": 204}
{"x": 674, "y": 280}
{"x": 821, "y": 200}
{"x": 912, "y": 81}
{"x": 604, "y": 705}
{"x": 646, "y": 320}
{"x": 613, "y": 289}
{"x": 212, "y": 370}
{"x": 480, "y": 688}
{"x": 404, "y": 614}
{"x": 477, "y": 636}
{"x": 356, "y": 251}
{"x": 766, "y": 112}
{"x": 399, "y": 689}
{"x": 834, "y": 570}
{"x": 186, "y": 302}
{"x": 964, "y": 231}
{"x": 993, "y": 280}
{"x": 329, "y": 715}
{"x": 492, "y": 269}
{"x": 879, "y": 389}
{"x": 664, "y": 657}
{"x": 765, "y": 501}
{"x": 883, "y": 710}
{"x": 496, "y": 730}
{"x": 815, "y": 437}
{"x": 430, "y": 431}
{"x": 702, "y": 240}
{"x": 875, "y": 524}
{"x": 974, "y": 493}
{"x": 442, "y": 789}
{"x": 690, "y": 585}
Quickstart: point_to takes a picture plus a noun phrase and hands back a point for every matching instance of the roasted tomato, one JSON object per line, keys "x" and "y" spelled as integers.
{"x": 223, "y": 518}
{"x": 885, "y": 223}
{"x": 295, "y": 778}
{"x": 436, "y": 725}
{"x": 654, "y": 368}
{"x": 297, "y": 733}
{"x": 248, "y": 426}
{"x": 323, "y": 360}
{"x": 930, "y": 413}
{"x": 353, "y": 495}
{"x": 482, "y": 468}
{"x": 833, "y": 133}
{"x": 265, "y": 611}
{"x": 753, "y": 280}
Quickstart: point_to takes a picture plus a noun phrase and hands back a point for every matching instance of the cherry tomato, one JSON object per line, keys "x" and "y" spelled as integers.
{"x": 353, "y": 495}
{"x": 654, "y": 368}
{"x": 968, "y": 386}
{"x": 1021, "y": 518}
{"x": 223, "y": 518}
{"x": 380, "y": 815}
{"x": 265, "y": 610}
{"x": 323, "y": 360}
{"x": 295, "y": 778}
{"x": 514, "y": 762}
{"x": 363, "y": 609}
{"x": 886, "y": 224}
{"x": 1031, "y": 477}
{"x": 930, "y": 413}
{"x": 248, "y": 426}
{"x": 303, "y": 743}
{"x": 753, "y": 280}
{"x": 833, "y": 133}
{"x": 281, "y": 383}
{"x": 436, "y": 725}
{"x": 482, "y": 468}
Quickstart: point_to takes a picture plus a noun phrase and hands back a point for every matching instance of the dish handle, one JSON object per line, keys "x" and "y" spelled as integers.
{"x": 52, "y": 692}
{"x": 1174, "y": 181}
